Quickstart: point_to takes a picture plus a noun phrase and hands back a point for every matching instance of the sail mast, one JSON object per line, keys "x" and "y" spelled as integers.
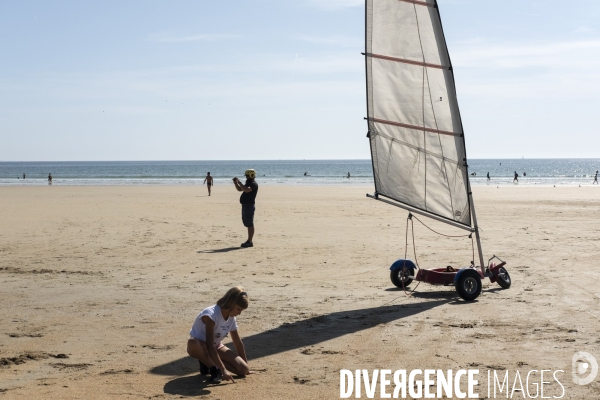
{"x": 469, "y": 191}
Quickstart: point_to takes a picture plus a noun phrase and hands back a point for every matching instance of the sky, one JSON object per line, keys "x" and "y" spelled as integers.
{"x": 279, "y": 79}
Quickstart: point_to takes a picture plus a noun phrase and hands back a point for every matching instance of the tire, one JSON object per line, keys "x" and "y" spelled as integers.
{"x": 399, "y": 279}
{"x": 468, "y": 285}
{"x": 503, "y": 278}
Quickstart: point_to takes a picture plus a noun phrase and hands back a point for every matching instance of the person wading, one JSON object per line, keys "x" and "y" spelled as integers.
{"x": 247, "y": 199}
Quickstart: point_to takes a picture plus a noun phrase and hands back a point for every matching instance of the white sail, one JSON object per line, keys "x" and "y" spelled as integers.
{"x": 415, "y": 130}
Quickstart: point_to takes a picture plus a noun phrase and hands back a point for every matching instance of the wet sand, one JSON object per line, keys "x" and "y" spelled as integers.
{"x": 99, "y": 287}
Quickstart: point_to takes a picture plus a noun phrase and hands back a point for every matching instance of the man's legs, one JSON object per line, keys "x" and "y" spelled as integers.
{"x": 248, "y": 219}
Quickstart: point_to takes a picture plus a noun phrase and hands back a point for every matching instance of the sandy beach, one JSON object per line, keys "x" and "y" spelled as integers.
{"x": 99, "y": 287}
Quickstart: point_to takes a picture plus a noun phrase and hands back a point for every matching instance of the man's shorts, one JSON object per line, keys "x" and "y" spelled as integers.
{"x": 248, "y": 215}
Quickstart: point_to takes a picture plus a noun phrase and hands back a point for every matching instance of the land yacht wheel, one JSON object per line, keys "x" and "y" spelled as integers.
{"x": 402, "y": 279}
{"x": 503, "y": 278}
{"x": 468, "y": 285}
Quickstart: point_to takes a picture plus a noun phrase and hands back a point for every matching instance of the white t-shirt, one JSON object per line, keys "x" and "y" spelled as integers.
{"x": 222, "y": 325}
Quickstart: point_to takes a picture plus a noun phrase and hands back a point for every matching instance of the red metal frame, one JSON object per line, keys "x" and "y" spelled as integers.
{"x": 442, "y": 276}
{"x": 494, "y": 270}
{"x": 436, "y": 276}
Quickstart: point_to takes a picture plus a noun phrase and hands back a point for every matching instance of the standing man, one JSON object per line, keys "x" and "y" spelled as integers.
{"x": 516, "y": 178}
{"x": 595, "y": 178}
{"x": 209, "y": 182}
{"x": 247, "y": 199}
{"x": 49, "y": 179}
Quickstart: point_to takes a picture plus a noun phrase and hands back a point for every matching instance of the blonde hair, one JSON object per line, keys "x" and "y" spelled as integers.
{"x": 234, "y": 296}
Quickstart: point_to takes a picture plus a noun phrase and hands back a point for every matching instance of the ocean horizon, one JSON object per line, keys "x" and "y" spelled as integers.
{"x": 566, "y": 171}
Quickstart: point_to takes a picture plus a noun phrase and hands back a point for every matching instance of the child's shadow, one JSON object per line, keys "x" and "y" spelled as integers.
{"x": 193, "y": 385}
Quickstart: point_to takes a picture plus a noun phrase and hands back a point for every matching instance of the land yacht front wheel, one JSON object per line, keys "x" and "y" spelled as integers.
{"x": 468, "y": 285}
{"x": 503, "y": 278}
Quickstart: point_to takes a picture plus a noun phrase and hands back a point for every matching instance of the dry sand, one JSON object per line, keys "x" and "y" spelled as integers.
{"x": 99, "y": 287}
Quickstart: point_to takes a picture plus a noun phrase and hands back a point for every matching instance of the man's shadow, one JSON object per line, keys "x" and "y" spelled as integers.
{"x": 292, "y": 336}
{"x": 224, "y": 250}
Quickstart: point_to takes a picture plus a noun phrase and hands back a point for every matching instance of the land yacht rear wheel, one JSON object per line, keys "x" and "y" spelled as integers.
{"x": 401, "y": 279}
{"x": 468, "y": 285}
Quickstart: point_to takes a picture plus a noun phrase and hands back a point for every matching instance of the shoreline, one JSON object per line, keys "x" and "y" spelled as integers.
{"x": 271, "y": 183}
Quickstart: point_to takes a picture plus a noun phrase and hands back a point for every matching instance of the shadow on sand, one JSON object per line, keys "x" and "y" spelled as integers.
{"x": 193, "y": 385}
{"x": 292, "y": 336}
{"x": 225, "y": 250}
{"x": 448, "y": 293}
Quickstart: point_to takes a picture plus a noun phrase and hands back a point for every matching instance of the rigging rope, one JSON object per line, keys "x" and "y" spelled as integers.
{"x": 470, "y": 236}
{"x": 412, "y": 230}
{"x": 455, "y": 236}
{"x": 409, "y": 293}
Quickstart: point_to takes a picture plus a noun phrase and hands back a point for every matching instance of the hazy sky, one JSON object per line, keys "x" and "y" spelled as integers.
{"x": 279, "y": 79}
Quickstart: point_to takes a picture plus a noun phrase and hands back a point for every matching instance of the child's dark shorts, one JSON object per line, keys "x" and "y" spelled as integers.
{"x": 248, "y": 215}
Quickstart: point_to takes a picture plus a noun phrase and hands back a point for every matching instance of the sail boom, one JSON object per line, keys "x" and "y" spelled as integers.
{"x": 415, "y": 127}
{"x": 405, "y": 61}
{"x": 422, "y": 212}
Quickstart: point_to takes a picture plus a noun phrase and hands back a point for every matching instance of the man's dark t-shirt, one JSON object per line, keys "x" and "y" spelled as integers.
{"x": 248, "y": 198}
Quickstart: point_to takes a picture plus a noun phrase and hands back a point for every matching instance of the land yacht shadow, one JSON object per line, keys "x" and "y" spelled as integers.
{"x": 451, "y": 294}
{"x": 305, "y": 332}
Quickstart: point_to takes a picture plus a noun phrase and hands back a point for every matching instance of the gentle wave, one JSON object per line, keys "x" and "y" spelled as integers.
{"x": 542, "y": 172}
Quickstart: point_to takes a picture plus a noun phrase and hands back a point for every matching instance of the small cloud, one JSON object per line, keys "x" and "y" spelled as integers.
{"x": 586, "y": 30}
{"x": 211, "y": 37}
{"x": 534, "y": 69}
{"x": 340, "y": 41}
{"x": 578, "y": 54}
{"x": 527, "y": 14}
{"x": 336, "y": 4}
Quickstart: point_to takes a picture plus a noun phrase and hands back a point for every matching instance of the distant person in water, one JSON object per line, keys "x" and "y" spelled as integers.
{"x": 348, "y": 175}
{"x": 24, "y": 175}
{"x": 488, "y": 176}
{"x": 209, "y": 182}
{"x": 516, "y": 178}
{"x": 247, "y": 199}
{"x": 305, "y": 174}
{"x": 49, "y": 179}
{"x": 595, "y": 178}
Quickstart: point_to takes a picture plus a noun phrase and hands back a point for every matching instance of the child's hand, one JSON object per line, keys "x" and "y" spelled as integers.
{"x": 228, "y": 377}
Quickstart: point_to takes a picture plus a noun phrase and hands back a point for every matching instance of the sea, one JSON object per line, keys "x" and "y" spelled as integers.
{"x": 544, "y": 172}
